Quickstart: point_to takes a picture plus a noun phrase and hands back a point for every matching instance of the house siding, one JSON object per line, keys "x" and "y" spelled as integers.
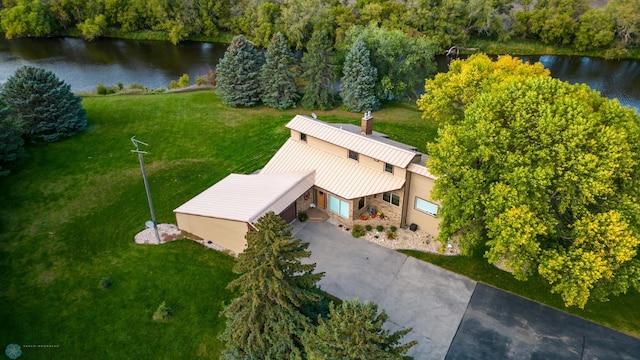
{"x": 421, "y": 186}
{"x": 228, "y": 234}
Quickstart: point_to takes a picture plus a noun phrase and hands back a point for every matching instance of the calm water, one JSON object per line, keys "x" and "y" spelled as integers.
{"x": 154, "y": 63}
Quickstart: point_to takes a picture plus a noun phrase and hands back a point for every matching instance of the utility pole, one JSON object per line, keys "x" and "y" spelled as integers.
{"x": 146, "y": 183}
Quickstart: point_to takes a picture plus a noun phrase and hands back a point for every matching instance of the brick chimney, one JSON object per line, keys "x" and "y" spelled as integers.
{"x": 366, "y": 126}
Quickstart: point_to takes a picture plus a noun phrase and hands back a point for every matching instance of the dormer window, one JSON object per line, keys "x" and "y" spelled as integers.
{"x": 353, "y": 155}
{"x": 303, "y": 137}
{"x": 388, "y": 168}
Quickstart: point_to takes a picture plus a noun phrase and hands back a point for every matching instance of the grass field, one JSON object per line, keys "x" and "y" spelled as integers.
{"x": 68, "y": 216}
{"x": 69, "y": 213}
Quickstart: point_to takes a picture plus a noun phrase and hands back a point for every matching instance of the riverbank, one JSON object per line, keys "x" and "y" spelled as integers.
{"x": 532, "y": 48}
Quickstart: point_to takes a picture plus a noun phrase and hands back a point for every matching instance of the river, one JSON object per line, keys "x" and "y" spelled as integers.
{"x": 108, "y": 61}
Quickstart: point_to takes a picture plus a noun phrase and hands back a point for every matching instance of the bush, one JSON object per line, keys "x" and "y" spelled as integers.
{"x": 368, "y": 227}
{"x": 302, "y": 216}
{"x": 391, "y": 235}
{"x": 184, "y": 81}
{"x": 105, "y": 283}
{"x": 393, "y": 228}
{"x": 101, "y": 89}
{"x": 357, "y": 231}
{"x": 173, "y": 84}
{"x": 379, "y": 228}
{"x": 163, "y": 313}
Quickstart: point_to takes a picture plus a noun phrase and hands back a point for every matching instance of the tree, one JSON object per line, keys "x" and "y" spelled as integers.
{"x": 354, "y": 330}
{"x": 595, "y": 30}
{"x": 544, "y": 177}
{"x": 43, "y": 104}
{"x": 402, "y": 62}
{"x": 238, "y": 74}
{"x": 11, "y": 143}
{"x": 447, "y": 95}
{"x": 278, "y": 75}
{"x": 26, "y": 18}
{"x": 319, "y": 72}
{"x": 266, "y": 321}
{"x": 627, "y": 20}
{"x": 93, "y": 27}
{"x": 358, "y": 84}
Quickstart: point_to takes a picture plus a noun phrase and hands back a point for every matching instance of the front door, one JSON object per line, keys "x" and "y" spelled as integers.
{"x": 321, "y": 199}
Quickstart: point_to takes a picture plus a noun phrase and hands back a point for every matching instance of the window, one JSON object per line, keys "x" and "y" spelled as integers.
{"x": 339, "y": 207}
{"x": 303, "y": 137}
{"x": 360, "y": 203}
{"x": 391, "y": 198}
{"x": 353, "y": 155}
{"x": 388, "y": 168}
{"x": 426, "y": 207}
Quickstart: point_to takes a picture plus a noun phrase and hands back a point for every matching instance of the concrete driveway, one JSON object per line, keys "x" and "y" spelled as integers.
{"x": 413, "y": 293}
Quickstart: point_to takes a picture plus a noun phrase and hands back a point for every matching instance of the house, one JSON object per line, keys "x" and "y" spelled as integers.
{"x": 342, "y": 169}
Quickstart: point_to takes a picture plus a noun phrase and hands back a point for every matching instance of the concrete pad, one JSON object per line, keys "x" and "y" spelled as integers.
{"x": 500, "y": 325}
{"x": 414, "y": 294}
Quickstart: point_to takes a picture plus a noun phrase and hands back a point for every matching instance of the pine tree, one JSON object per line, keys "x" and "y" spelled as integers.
{"x": 358, "y": 87}
{"x": 278, "y": 75}
{"x": 43, "y": 104}
{"x": 353, "y": 330}
{"x": 266, "y": 320}
{"x": 11, "y": 143}
{"x": 238, "y": 74}
{"x": 319, "y": 72}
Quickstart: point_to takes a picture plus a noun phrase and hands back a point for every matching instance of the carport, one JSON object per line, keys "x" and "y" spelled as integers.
{"x": 225, "y": 212}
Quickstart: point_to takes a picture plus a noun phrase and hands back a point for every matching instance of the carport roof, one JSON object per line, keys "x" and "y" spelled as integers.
{"x": 341, "y": 176}
{"x": 247, "y": 197}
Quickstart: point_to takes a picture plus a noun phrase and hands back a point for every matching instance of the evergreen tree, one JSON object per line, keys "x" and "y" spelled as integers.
{"x": 238, "y": 74}
{"x": 353, "y": 330}
{"x": 266, "y": 320}
{"x": 319, "y": 72}
{"x": 278, "y": 75}
{"x": 43, "y": 104}
{"x": 11, "y": 143}
{"x": 358, "y": 87}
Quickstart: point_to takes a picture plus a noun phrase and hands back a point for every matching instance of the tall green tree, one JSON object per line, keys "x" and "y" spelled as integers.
{"x": 238, "y": 74}
{"x": 43, "y": 104}
{"x": 319, "y": 72}
{"x": 358, "y": 84}
{"x": 402, "y": 62}
{"x": 354, "y": 331}
{"x": 544, "y": 177}
{"x": 278, "y": 75}
{"x": 595, "y": 29}
{"x": 266, "y": 321}
{"x": 11, "y": 143}
{"x": 27, "y": 18}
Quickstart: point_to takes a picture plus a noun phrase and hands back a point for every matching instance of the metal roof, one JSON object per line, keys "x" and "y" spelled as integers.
{"x": 382, "y": 137}
{"x": 248, "y": 197}
{"x": 366, "y": 145}
{"x": 422, "y": 170}
{"x": 341, "y": 176}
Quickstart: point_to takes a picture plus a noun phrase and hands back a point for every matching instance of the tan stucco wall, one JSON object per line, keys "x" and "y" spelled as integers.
{"x": 421, "y": 186}
{"x": 226, "y": 233}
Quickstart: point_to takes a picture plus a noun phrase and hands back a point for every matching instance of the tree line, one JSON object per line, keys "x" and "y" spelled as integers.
{"x": 615, "y": 26}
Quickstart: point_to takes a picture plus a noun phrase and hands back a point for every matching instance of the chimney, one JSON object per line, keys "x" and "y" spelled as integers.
{"x": 366, "y": 126}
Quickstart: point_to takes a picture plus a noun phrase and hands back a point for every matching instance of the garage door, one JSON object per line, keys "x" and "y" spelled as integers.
{"x": 289, "y": 214}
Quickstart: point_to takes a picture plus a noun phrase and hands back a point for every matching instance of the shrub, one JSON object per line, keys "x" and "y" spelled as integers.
{"x": 101, "y": 89}
{"x": 302, "y": 216}
{"x": 393, "y": 228}
{"x": 120, "y": 85}
{"x": 379, "y": 228}
{"x": 391, "y": 235}
{"x": 163, "y": 313}
{"x": 136, "y": 86}
{"x": 173, "y": 84}
{"x": 368, "y": 227}
{"x": 357, "y": 231}
{"x": 105, "y": 283}
{"x": 184, "y": 81}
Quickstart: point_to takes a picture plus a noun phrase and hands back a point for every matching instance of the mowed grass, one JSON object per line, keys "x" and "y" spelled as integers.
{"x": 69, "y": 214}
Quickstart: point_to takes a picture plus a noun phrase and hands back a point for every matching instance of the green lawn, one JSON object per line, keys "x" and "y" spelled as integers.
{"x": 69, "y": 213}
